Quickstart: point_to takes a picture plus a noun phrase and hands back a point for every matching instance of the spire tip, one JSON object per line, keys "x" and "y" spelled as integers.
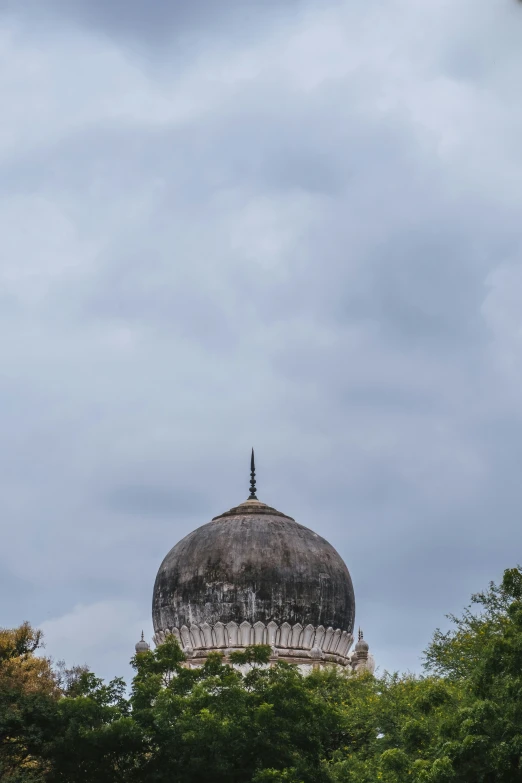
{"x": 252, "y": 495}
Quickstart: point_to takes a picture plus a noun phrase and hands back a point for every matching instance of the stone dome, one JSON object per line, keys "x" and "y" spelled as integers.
{"x": 254, "y": 566}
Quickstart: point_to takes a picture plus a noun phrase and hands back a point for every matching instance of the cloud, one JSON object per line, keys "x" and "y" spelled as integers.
{"x": 103, "y": 630}
{"x": 161, "y": 21}
{"x": 303, "y": 238}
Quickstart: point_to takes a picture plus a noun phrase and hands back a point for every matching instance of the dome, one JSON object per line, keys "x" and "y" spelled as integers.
{"x": 253, "y": 563}
{"x": 254, "y": 567}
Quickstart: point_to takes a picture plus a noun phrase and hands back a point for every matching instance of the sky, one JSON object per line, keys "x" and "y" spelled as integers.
{"x": 281, "y": 224}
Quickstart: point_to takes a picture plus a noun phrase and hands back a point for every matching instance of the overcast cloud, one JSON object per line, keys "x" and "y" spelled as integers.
{"x": 285, "y": 224}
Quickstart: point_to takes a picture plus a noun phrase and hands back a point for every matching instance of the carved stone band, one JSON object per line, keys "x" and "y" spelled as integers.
{"x": 286, "y": 640}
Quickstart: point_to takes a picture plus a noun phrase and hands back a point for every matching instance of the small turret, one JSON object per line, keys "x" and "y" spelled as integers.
{"x": 362, "y": 661}
{"x": 362, "y": 646}
{"x": 142, "y": 645}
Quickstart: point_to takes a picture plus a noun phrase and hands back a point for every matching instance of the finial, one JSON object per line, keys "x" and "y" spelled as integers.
{"x": 360, "y": 634}
{"x": 142, "y": 636}
{"x": 252, "y": 495}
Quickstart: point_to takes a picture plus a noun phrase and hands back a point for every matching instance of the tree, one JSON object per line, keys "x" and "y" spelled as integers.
{"x": 28, "y": 696}
{"x": 95, "y": 737}
{"x": 255, "y": 723}
{"x": 216, "y": 723}
{"x": 59, "y": 724}
{"x": 391, "y": 726}
{"x": 482, "y": 741}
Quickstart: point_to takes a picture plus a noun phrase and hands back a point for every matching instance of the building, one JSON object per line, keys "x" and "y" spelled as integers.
{"x": 253, "y": 575}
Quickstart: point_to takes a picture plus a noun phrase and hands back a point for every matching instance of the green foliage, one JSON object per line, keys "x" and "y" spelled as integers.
{"x": 96, "y": 738}
{"x": 28, "y": 698}
{"x": 19, "y": 643}
{"x": 215, "y": 721}
{"x": 456, "y": 653}
{"x": 254, "y": 723}
{"x": 482, "y": 655}
{"x": 255, "y": 655}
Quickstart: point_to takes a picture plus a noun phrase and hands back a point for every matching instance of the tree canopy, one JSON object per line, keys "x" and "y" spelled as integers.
{"x": 250, "y": 723}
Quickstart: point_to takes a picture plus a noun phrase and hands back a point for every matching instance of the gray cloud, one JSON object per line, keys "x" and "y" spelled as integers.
{"x": 160, "y": 21}
{"x": 151, "y": 500}
{"x": 306, "y": 241}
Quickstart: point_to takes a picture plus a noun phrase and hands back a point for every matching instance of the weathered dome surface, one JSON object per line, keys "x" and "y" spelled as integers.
{"x": 253, "y": 564}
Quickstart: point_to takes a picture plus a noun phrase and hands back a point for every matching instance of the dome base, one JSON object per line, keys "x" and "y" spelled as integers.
{"x": 293, "y": 644}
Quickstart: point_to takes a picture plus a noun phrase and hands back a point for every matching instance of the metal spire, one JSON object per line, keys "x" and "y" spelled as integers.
{"x": 142, "y": 637}
{"x": 360, "y": 634}
{"x": 252, "y": 495}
